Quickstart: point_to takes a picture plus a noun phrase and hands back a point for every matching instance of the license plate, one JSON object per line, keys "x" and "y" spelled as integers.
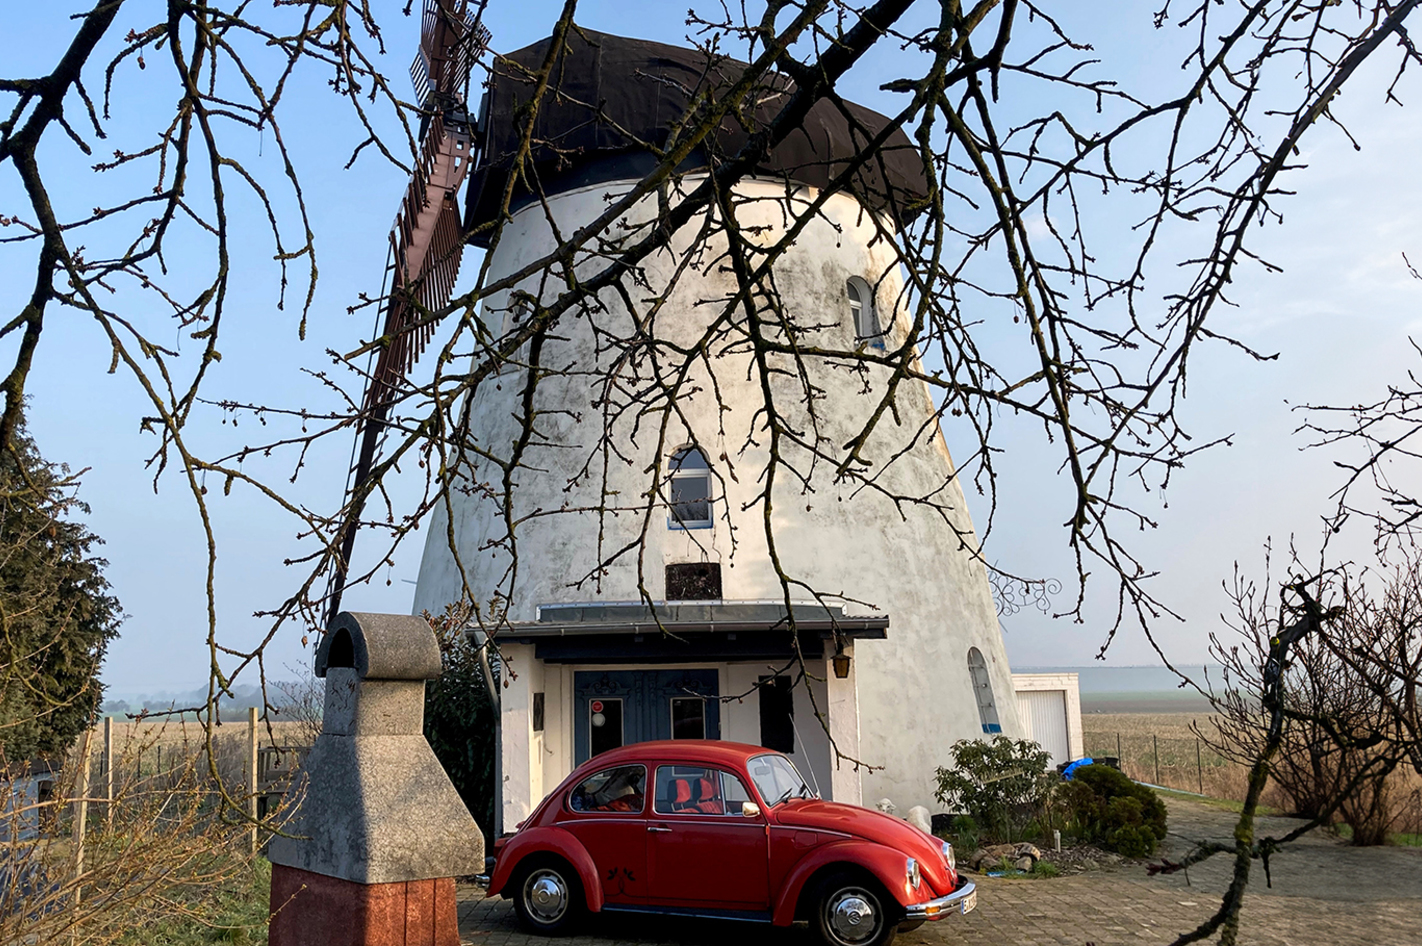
{"x": 970, "y": 902}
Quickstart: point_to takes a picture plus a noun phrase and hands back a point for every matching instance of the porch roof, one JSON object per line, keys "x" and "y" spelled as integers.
{"x": 692, "y": 617}
{"x": 688, "y": 630}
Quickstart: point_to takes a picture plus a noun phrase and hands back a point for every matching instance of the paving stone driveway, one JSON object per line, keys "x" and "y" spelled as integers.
{"x": 1324, "y": 894}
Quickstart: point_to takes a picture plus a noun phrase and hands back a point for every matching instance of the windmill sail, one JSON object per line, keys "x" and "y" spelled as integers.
{"x": 425, "y": 243}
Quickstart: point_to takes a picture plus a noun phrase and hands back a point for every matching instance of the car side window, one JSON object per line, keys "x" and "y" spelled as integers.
{"x": 620, "y": 790}
{"x": 698, "y": 790}
{"x": 733, "y": 790}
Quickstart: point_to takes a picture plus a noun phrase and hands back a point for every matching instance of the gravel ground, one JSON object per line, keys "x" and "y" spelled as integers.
{"x": 1325, "y": 893}
{"x": 1317, "y": 866}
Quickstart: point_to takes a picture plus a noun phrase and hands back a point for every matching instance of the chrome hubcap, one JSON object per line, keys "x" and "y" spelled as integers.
{"x": 851, "y": 915}
{"x": 546, "y": 895}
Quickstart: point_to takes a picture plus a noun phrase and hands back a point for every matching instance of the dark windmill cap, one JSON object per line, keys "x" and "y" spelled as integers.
{"x": 608, "y": 93}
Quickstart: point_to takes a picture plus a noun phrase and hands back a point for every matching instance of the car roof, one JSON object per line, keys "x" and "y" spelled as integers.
{"x": 712, "y": 751}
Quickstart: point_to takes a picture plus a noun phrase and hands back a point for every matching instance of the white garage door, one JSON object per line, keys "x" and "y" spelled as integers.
{"x": 1044, "y": 712}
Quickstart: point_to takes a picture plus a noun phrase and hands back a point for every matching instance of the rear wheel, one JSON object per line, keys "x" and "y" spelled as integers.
{"x": 850, "y": 910}
{"x": 548, "y": 897}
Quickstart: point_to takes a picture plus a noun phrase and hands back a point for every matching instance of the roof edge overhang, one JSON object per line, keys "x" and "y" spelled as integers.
{"x": 854, "y": 628}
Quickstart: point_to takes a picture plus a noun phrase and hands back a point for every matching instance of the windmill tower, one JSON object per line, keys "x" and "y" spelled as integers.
{"x": 906, "y": 660}
{"x": 425, "y": 246}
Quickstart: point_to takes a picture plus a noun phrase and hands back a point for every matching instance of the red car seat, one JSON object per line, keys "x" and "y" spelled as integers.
{"x": 681, "y": 800}
{"x": 709, "y": 801}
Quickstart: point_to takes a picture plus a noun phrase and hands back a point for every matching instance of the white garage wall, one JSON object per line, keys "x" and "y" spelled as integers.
{"x": 1049, "y": 705}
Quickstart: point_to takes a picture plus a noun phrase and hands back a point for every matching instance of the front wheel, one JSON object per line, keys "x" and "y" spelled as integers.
{"x": 850, "y": 911}
{"x": 548, "y": 898}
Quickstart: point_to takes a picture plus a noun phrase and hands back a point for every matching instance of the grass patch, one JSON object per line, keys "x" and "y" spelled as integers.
{"x": 1220, "y": 804}
{"x": 1042, "y": 870}
{"x": 234, "y": 912}
{"x": 1400, "y": 839}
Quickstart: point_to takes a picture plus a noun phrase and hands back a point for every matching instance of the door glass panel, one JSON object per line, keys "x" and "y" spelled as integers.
{"x": 622, "y": 789}
{"x": 689, "y": 790}
{"x": 688, "y": 717}
{"x": 734, "y": 793}
{"x": 605, "y": 725}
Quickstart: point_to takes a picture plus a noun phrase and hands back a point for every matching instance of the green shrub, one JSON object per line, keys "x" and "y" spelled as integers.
{"x": 1107, "y": 808}
{"x": 964, "y": 833}
{"x": 1002, "y": 785}
{"x": 459, "y": 717}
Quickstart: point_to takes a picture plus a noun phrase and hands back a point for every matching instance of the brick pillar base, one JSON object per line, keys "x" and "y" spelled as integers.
{"x": 315, "y": 910}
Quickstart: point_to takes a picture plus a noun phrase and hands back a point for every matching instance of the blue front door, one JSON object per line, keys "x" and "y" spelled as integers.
{"x": 614, "y": 708}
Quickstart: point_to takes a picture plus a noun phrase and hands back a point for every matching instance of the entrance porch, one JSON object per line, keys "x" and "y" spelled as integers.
{"x": 585, "y": 678}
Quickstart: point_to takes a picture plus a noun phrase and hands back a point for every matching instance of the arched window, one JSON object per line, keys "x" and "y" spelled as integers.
{"x": 861, "y": 308}
{"x": 690, "y": 490}
{"x": 982, "y": 688}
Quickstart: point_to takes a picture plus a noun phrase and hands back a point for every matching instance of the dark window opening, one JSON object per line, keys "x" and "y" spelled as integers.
{"x": 694, "y": 581}
{"x": 538, "y": 712}
{"x": 342, "y": 652}
{"x": 777, "y": 714}
{"x": 688, "y": 717}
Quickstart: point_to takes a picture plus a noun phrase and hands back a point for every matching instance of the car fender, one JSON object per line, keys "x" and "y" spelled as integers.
{"x": 885, "y": 863}
{"x": 548, "y": 840}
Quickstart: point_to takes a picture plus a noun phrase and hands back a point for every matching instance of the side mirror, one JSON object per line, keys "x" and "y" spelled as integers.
{"x": 750, "y": 809}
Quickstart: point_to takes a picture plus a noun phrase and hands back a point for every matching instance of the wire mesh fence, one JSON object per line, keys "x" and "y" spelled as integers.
{"x": 1182, "y": 763}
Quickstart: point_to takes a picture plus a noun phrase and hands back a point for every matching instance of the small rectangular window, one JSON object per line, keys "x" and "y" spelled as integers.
{"x": 691, "y": 498}
{"x": 777, "y": 714}
{"x": 688, "y": 717}
{"x": 538, "y": 712}
{"x": 694, "y": 581}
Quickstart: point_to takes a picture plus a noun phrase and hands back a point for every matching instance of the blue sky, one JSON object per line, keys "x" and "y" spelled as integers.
{"x": 1339, "y": 316}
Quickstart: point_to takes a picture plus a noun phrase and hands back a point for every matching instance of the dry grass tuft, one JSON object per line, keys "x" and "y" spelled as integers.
{"x": 167, "y": 858}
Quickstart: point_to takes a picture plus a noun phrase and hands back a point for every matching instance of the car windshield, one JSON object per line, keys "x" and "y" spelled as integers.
{"x": 776, "y": 779}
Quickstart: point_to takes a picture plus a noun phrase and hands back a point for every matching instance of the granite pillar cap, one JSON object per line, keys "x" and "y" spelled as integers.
{"x": 380, "y": 647}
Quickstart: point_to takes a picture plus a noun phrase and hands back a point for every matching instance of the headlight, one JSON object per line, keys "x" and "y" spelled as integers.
{"x": 913, "y": 875}
{"x": 948, "y": 857}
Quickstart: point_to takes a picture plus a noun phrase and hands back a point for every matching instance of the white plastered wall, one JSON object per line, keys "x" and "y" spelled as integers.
{"x": 919, "y": 565}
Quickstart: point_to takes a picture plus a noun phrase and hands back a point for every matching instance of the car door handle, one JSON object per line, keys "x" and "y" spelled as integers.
{"x": 653, "y": 827}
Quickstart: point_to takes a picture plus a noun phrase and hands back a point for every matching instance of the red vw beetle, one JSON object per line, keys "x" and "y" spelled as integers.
{"x": 720, "y": 829}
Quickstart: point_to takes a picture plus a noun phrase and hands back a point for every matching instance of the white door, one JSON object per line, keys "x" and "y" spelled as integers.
{"x": 1044, "y": 713}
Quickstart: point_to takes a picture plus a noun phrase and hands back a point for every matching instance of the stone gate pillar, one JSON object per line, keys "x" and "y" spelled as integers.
{"x": 380, "y": 833}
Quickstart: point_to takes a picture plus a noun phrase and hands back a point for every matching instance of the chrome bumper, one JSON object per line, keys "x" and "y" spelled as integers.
{"x": 962, "y": 900}
{"x": 482, "y": 880}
